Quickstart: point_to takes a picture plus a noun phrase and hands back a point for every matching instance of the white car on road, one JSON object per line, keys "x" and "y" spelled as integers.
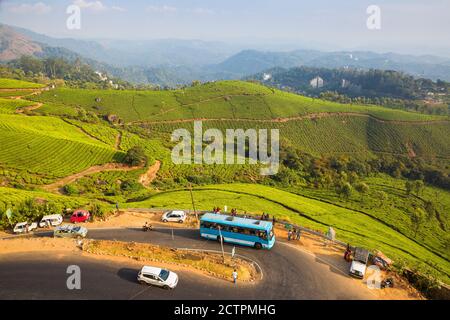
{"x": 24, "y": 227}
{"x": 158, "y": 277}
{"x": 174, "y": 216}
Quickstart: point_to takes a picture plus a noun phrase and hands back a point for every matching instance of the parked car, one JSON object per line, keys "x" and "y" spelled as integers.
{"x": 80, "y": 216}
{"x": 158, "y": 277}
{"x": 359, "y": 263}
{"x": 70, "y": 231}
{"x": 174, "y": 216}
{"x": 51, "y": 220}
{"x": 24, "y": 227}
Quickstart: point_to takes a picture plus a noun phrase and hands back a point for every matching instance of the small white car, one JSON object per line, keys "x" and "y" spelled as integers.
{"x": 24, "y": 227}
{"x": 174, "y": 216}
{"x": 51, "y": 220}
{"x": 158, "y": 277}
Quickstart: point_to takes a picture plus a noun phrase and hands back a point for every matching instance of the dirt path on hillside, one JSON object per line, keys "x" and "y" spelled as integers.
{"x": 311, "y": 116}
{"x": 56, "y": 186}
{"x": 150, "y": 175}
{"x": 118, "y": 141}
{"x": 29, "y": 108}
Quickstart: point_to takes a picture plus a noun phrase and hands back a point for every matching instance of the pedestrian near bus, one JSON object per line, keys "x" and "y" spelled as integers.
{"x": 235, "y": 275}
{"x": 289, "y": 234}
{"x": 299, "y": 234}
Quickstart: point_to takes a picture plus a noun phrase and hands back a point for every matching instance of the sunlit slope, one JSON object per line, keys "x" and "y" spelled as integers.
{"x": 218, "y": 100}
{"x": 48, "y": 147}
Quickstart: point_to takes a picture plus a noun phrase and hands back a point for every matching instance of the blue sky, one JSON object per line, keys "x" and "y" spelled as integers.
{"x": 415, "y": 25}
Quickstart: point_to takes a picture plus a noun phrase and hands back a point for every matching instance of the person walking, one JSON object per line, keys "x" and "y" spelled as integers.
{"x": 117, "y": 207}
{"x": 299, "y": 234}
{"x": 235, "y": 275}
{"x": 289, "y": 234}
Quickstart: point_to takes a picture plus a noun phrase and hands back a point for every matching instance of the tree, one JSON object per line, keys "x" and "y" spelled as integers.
{"x": 346, "y": 190}
{"x": 409, "y": 186}
{"x": 135, "y": 157}
{"x": 430, "y": 209}
{"x": 362, "y": 188}
{"x": 417, "y": 218}
{"x": 418, "y": 186}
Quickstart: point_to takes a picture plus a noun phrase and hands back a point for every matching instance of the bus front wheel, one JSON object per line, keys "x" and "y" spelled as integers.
{"x": 258, "y": 245}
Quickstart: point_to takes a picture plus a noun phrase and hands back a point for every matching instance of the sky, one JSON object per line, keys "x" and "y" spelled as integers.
{"x": 406, "y": 26}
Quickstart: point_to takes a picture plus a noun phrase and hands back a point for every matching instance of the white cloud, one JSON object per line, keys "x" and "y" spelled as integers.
{"x": 202, "y": 11}
{"x": 37, "y": 8}
{"x": 91, "y": 5}
{"x": 161, "y": 9}
{"x": 117, "y": 8}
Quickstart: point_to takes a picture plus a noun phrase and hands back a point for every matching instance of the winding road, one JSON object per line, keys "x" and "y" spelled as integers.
{"x": 288, "y": 273}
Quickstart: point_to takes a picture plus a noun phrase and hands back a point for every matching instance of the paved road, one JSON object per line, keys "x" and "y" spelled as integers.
{"x": 288, "y": 274}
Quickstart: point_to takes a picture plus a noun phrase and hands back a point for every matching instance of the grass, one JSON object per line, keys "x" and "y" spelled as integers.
{"x": 351, "y": 226}
{"x": 342, "y": 134}
{"x": 49, "y": 147}
{"x": 18, "y": 84}
{"x": 209, "y": 263}
{"x": 9, "y": 106}
{"x": 225, "y": 99}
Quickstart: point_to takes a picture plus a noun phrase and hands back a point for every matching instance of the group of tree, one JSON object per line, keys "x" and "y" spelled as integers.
{"x": 74, "y": 73}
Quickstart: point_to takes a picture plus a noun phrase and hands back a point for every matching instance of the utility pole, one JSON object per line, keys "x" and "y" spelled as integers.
{"x": 192, "y": 199}
{"x": 221, "y": 244}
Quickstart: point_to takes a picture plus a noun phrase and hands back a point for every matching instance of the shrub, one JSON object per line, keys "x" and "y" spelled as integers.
{"x": 135, "y": 157}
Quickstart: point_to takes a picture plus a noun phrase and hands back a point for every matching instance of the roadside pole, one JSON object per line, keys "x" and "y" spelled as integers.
{"x": 193, "y": 203}
{"x": 221, "y": 244}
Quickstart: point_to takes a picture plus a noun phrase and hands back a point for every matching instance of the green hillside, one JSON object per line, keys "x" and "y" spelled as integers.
{"x": 44, "y": 148}
{"x": 228, "y": 100}
{"x": 327, "y": 146}
{"x": 18, "y": 84}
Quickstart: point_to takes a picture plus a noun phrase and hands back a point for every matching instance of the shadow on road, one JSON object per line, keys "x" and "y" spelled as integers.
{"x": 128, "y": 274}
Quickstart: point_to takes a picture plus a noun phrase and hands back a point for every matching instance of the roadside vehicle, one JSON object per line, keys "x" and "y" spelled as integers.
{"x": 70, "y": 231}
{"x": 51, "y": 220}
{"x": 24, "y": 227}
{"x": 174, "y": 216}
{"x": 80, "y": 216}
{"x": 359, "y": 263}
{"x": 248, "y": 232}
{"x": 158, "y": 277}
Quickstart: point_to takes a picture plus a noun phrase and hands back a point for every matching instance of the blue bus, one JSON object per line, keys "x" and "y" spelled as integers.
{"x": 243, "y": 231}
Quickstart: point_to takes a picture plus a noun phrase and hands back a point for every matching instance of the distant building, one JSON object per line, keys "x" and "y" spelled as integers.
{"x": 345, "y": 83}
{"x": 317, "y": 82}
{"x": 267, "y": 76}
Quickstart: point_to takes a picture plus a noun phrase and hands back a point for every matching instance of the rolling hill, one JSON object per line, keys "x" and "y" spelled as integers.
{"x": 54, "y": 141}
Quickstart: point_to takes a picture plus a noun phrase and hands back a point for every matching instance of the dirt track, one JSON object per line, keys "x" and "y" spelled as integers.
{"x": 56, "y": 186}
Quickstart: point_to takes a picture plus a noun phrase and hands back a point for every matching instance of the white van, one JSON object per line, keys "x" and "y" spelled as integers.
{"x": 24, "y": 227}
{"x": 52, "y": 220}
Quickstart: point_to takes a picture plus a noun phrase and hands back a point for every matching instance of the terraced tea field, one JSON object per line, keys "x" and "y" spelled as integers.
{"x": 49, "y": 147}
{"x": 220, "y": 100}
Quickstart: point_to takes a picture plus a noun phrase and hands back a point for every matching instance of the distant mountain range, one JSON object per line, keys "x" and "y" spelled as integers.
{"x": 172, "y": 62}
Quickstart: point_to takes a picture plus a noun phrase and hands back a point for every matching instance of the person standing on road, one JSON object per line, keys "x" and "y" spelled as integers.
{"x": 235, "y": 275}
{"x": 289, "y": 235}
{"x": 299, "y": 234}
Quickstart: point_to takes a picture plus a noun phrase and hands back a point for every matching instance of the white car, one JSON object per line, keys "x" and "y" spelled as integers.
{"x": 24, "y": 227}
{"x": 174, "y": 216}
{"x": 51, "y": 220}
{"x": 158, "y": 277}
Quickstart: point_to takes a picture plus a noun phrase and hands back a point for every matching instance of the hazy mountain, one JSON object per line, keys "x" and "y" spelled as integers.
{"x": 172, "y": 62}
{"x": 250, "y": 62}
